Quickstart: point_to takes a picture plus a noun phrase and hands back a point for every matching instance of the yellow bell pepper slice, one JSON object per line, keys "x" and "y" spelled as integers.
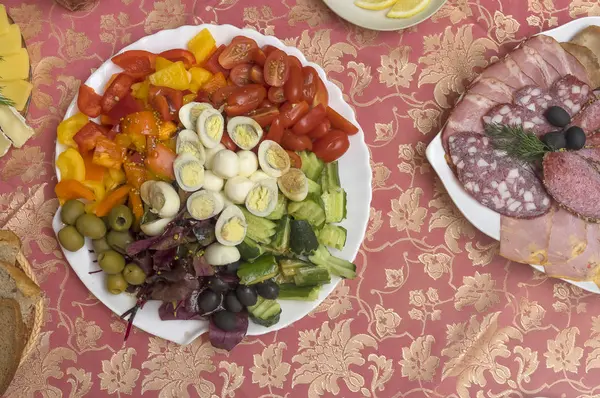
{"x": 140, "y": 90}
{"x": 114, "y": 178}
{"x": 189, "y": 98}
{"x": 203, "y": 45}
{"x": 67, "y": 129}
{"x": 199, "y": 77}
{"x": 166, "y": 130}
{"x": 162, "y": 63}
{"x": 71, "y": 165}
{"x": 174, "y": 76}
{"x": 97, "y": 187}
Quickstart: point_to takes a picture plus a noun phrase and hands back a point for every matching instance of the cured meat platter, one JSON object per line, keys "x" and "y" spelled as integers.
{"x": 520, "y": 155}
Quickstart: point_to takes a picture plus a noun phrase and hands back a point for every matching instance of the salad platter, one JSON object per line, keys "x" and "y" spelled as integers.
{"x": 535, "y": 114}
{"x": 225, "y": 187}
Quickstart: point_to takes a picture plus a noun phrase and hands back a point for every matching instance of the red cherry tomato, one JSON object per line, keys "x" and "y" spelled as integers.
{"x": 88, "y": 101}
{"x": 276, "y": 95}
{"x": 293, "y": 87}
{"x": 118, "y": 89}
{"x": 126, "y": 106}
{"x": 291, "y": 113}
{"x": 310, "y": 120}
{"x": 259, "y": 57}
{"x": 219, "y": 97}
{"x": 203, "y": 96}
{"x": 275, "y": 132}
{"x": 332, "y": 146}
{"x": 267, "y": 104}
{"x": 295, "y": 159}
{"x": 245, "y": 99}
{"x": 341, "y": 123}
{"x": 175, "y": 97}
{"x": 256, "y": 75}
{"x": 161, "y": 105}
{"x": 322, "y": 129}
{"x": 310, "y": 83}
{"x": 321, "y": 94}
{"x": 240, "y": 74}
{"x": 268, "y": 48}
{"x": 175, "y": 55}
{"x": 228, "y": 143}
{"x": 264, "y": 116}
{"x": 137, "y": 63}
{"x": 213, "y": 66}
{"x": 293, "y": 142}
{"x": 276, "y": 68}
{"x": 294, "y": 61}
{"x": 239, "y": 51}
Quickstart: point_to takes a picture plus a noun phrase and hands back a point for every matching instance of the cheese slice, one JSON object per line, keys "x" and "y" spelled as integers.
{"x": 5, "y": 145}
{"x": 11, "y": 41}
{"x": 4, "y": 24}
{"x": 17, "y": 91}
{"x": 14, "y": 126}
{"x": 15, "y": 66}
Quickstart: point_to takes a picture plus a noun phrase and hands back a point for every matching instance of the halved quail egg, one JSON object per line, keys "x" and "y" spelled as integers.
{"x": 161, "y": 197}
{"x": 244, "y": 131}
{"x": 273, "y": 159}
{"x": 238, "y": 188}
{"x": 156, "y": 227}
{"x": 189, "y": 172}
{"x": 204, "y": 204}
{"x": 189, "y": 143}
{"x": 294, "y": 185}
{"x": 231, "y": 226}
{"x": 210, "y": 127}
{"x": 189, "y": 113}
{"x": 262, "y": 198}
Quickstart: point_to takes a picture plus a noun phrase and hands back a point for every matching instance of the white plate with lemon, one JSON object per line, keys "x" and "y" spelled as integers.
{"x": 385, "y": 14}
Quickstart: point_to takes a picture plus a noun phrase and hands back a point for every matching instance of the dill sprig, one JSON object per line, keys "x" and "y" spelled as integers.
{"x": 4, "y": 100}
{"x": 516, "y": 142}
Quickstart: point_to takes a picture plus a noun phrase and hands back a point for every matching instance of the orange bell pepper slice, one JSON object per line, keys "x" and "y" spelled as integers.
{"x": 113, "y": 199}
{"x": 108, "y": 154}
{"x": 143, "y": 122}
{"x": 160, "y": 160}
{"x": 216, "y": 82}
{"x": 72, "y": 189}
{"x": 136, "y": 174}
{"x": 93, "y": 172}
{"x": 135, "y": 204}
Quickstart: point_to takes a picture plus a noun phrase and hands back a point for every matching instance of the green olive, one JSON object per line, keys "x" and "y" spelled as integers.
{"x": 91, "y": 226}
{"x": 70, "y": 239}
{"x": 119, "y": 240}
{"x": 111, "y": 262}
{"x": 116, "y": 284}
{"x": 71, "y": 210}
{"x": 120, "y": 218}
{"x": 134, "y": 275}
{"x": 100, "y": 245}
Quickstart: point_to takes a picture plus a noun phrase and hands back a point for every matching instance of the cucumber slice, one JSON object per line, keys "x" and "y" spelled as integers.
{"x": 289, "y": 266}
{"x": 265, "y": 312}
{"x": 308, "y": 210}
{"x": 280, "y": 208}
{"x": 335, "y": 205}
{"x": 265, "y": 267}
{"x": 259, "y": 229}
{"x": 312, "y": 166}
{"x": 333, "y": 236}
{"x": 312, "y": 276}
{"x": 313, "y": 188}
{"x": 336, "y": 266}
{"x": 330, "y": 178}
{"x": 280, "y": 242}
{"x": 250, "y": 250}
{"x": 289, "y": 291}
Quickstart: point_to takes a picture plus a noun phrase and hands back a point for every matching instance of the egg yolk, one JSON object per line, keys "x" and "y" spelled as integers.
{"x": 202, "y": 207}
{"x": 259, "y": 198}
{"x": 278, "y": 158}
{"x": 189, "y": 147}
{"x": 233, "y": 230}
{"x": 245, "y": 135}
{"x": 195, "y": 113}
{"x": 191, "y": 174}
{"x": 214, "y": 126}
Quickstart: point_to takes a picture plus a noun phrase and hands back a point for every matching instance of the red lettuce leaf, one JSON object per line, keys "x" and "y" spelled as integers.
{"x": 228, "y": 340}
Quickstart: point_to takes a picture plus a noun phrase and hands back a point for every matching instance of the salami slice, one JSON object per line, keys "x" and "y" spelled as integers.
{"x": 588, "y": 119}
{"x": 568, "y": 92}
{"x": 515, "y": 115}
{"x": 496, "y": 180}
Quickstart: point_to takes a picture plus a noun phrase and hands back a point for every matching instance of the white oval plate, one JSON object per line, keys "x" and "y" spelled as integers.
{"x": 483, "y": 218}
{"x": 355, "y": 175}
{"x": 376, "y": 20}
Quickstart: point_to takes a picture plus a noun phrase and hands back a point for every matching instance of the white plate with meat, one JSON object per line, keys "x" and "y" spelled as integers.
{"x": 498, "y": 194}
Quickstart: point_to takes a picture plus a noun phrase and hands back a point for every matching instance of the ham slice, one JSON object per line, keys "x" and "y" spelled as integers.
{"x": 568, "y": 237}
{"x": 555, "y": 55}
{"x": 534, "y": 66}
{"x": 467, "y": 116}
{"x": 493, "y": 89}
{"x": 525, "y": 240}
{"x": 585, "y": 266}
{"x": 508, "y": 72}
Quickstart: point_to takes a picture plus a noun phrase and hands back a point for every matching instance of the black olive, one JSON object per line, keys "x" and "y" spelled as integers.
{"x": 232, "y": 303}
{"x": 217, "y": 285}
{"x": 557, "y": 116}
{"x": 231, "y": 268}
{"x": 247, "y": 295}
{"x": 268, "y": 290}
{"x": 555, "y": 140}
{"x": 225, "y": 320}
{"x": 575, "y": 138}
{"x": 208, "y": 300}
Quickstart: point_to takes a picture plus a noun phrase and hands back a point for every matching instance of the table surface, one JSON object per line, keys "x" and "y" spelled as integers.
{"x": 435, "y": 312}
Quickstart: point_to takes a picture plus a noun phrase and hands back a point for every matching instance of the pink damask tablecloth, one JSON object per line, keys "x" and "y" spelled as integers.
{"x": 434, "y": 312}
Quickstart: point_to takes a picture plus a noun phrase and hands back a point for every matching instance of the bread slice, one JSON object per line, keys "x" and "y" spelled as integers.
{"x": 16, "y": 285}
{"x": 10, "y": 245}
{"x": 588, "y": 59}
{"x": 12, "y": 336}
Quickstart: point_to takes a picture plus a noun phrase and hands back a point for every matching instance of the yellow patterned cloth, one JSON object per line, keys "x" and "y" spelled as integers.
{"x": 434, "y": 313}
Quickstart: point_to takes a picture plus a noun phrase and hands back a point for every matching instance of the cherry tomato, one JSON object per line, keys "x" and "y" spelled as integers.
{"x": 175, "y": 97}
{"x": 293, "y": 87}
{"x": 268, "y": 48}
{"x": 341, "y": 123}
{"x": 310, "y": 120}
{"x": 118, "y": 89}
{"x": 256, "y": 75}
{"x": 322, "y": 129}
{"x": 239, "y": 51}
{"x": 137, "y": 63}
{"x": 203, "y": 96}
{"x": 294, "y": 61}
{"x": 259, "y": 57}
{"x": 219, "y": 97}
{"x": 126, "y": 106}
{"x": 332, "y": 146}
{"x": 228, "y": 143}
{"x": 185, "y": 56}
{"x": 276, "y": 68}
{"x": 310, "y": 83}
{"x": 213, "y": 66}
{"x": 264, "y": 116}
{"x": 291, "y": 113}
{"x": 161, "y": 105}
{"x": 266, "y": 104}
{"x": 88, "y": 101}
{"x": 276, "y": 95}
{"x": 275, "y": 132}
{"x": 295, "y": 159}
{"x": 245, "y": 99}
{"x": 240, "y": 74}
{"x": 321, "y": 94}
{"x": 293, "y": 142}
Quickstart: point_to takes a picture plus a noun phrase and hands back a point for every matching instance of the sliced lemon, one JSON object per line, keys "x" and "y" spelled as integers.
{"x": 375, "y": 4}
{"x": 407, "y": 8}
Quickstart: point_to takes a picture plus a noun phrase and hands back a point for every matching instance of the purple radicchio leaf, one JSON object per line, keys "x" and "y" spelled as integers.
{"x": 144, "y": 260}
{"x": 186, "y": 309}
{"x": 174, "y": 291}
{"x": 171, "y": 239}
{"x": 201, "y": 267}
{"x": 139, "y": 246}
{"x": 164, "y": 260}
{"x": 228, "y": 340}
{"x": 175, "y": 275}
